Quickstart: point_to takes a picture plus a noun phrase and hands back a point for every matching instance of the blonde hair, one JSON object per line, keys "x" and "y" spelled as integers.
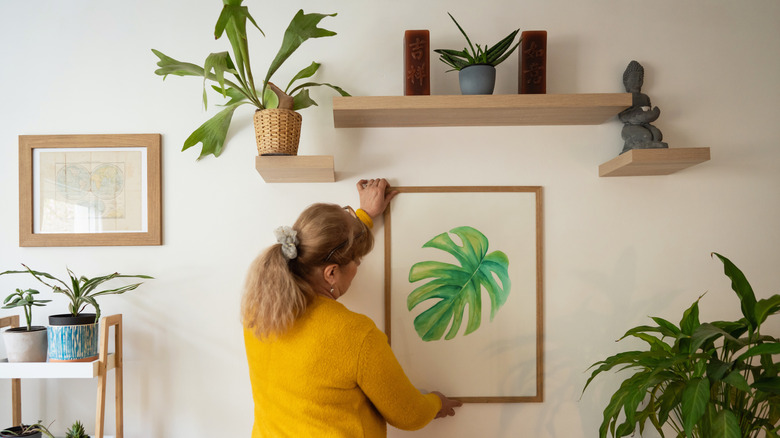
{"x": 278, "y": 290}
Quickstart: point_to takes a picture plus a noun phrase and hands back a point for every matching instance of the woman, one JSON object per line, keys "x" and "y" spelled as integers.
{"x": 318, "y": 369}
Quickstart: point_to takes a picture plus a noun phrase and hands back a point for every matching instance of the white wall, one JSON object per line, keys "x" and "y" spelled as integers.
{"x": 616, "y": 249}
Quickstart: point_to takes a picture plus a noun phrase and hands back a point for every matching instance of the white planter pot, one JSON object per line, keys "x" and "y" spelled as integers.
{"x": 24, "y": 346}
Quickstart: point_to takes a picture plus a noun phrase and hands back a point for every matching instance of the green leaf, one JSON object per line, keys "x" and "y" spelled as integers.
{"x": 270, "y": 99}
{"x": 769, "y": 385}
{"x": 694, "y": 402}
{"x": 742, "y": 288}
{"x": 725, "y": 425}
{"x": 220, "y": 63}
{"x": 301, "y": 28}
{"x": 737, "y": 380}
{"x": 302, "y": 100}
{"x": 667, "y": 328}
{"x": 464, "y": 34}
{"x": 767, "y": 307}
{"x": 234, "y": 95}
{"x": 306, "y": 72}
{"x": 756, "y": 350}
{"x": 232, "y": 21}
{"x": 705, "y": 334}
{"x": 669, "y": 400}
{"x": 690, "y": 319}
{"x": 457, "y": 287}
{"x": 170, "y": 66}
{"x": 212, "y": 133}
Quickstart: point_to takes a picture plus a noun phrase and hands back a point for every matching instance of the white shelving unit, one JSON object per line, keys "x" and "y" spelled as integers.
{"x": 73, "y": 370}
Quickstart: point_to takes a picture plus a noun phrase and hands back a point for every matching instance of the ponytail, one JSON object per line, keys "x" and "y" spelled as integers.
{"x": 278, "y": 288}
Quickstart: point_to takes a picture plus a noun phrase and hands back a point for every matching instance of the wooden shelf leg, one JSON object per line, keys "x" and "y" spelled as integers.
{"x": 16, "y": 401}
{"x": 100, "y": 416}
{"x": 16, "y": 384}
{"x": 118, "y": 367}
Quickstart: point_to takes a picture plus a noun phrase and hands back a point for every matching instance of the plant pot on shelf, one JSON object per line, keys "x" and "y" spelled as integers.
{"x": 278, "y": 131}
{"x": 16, "y": 431}
{"x": 25, "y": 346}
{"x": 73, "y": 338}
{"x": 477, "y": 79}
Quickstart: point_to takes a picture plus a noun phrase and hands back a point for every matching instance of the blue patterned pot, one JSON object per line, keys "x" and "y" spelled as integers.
{"x": 73, "y": 343}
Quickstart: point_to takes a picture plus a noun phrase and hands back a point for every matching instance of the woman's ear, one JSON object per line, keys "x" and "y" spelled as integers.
{"x": 329, "y": 273}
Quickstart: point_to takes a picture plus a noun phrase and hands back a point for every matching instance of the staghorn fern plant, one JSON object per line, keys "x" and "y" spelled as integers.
{"x": 458, "y": 286}
{"x": 703, "y": 380}
{"x": 242, "y": 89}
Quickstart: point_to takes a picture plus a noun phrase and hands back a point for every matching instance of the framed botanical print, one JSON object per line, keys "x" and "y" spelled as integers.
{"x": 464, "y": 290}
{"x": 89, "y": 190}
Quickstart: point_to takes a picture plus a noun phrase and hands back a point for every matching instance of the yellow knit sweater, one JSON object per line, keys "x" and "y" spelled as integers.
{"x": 332, "y": 374}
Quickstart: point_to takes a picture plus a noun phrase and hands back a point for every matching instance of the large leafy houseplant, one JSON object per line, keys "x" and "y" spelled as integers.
{"x": 493, "y": 55}
{"x": 81, "y": 291}
{"x": 702, "y": 380}
{"x": 242, "y": 89}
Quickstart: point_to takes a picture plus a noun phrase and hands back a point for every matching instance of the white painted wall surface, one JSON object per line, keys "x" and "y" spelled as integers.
{"x": 616, "y": 249}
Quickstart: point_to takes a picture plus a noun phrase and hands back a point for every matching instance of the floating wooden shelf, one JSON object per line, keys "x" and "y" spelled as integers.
{"x": 477, "y": 110}
{"x": 296, "y": 168}
{"x": 643, "y": 162}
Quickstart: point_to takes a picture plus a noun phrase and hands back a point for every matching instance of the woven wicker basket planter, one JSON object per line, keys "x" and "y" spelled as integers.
{"x": 278, "y": 131}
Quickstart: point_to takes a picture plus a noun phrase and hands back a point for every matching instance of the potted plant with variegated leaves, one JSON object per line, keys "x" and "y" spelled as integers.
{"x": 77, "y": 327}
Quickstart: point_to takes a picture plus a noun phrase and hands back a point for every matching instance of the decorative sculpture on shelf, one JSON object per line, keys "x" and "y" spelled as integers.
{"x": 637, "y": 132}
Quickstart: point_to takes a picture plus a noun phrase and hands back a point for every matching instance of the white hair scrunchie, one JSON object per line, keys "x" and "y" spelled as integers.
{"x": 288, "y": 238}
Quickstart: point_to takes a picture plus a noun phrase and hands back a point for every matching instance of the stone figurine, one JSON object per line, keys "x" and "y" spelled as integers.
{"x": 637, "y": 132}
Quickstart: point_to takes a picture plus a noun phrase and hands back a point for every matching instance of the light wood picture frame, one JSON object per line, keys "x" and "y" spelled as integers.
{"x": 90, "y": 190}
{"x": 426, "y": 235}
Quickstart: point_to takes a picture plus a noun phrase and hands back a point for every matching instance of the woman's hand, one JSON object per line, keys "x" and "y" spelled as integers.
{"x": 373, "y": 197}
{"x": 448, "y": 405}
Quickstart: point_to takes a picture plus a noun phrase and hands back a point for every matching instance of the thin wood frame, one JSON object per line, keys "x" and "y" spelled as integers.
{"x": 153, "y": 233}
{"x": 539, "y": 396}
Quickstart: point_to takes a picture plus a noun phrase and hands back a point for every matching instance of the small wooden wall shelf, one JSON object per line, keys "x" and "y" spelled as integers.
{"x": 295, "y": 168}
{"x": 644, "y": 162}
{"x": 477, "y": 110}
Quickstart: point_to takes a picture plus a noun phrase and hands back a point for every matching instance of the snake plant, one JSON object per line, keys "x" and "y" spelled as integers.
{"x": 242, "y": 89}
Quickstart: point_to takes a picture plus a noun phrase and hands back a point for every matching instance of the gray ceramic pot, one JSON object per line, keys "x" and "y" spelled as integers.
{"x": 24, "y": 346}
{"x": 477, "y": 79}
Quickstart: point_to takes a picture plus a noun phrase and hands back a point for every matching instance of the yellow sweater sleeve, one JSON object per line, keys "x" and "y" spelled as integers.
{"x": 384, "y": 382}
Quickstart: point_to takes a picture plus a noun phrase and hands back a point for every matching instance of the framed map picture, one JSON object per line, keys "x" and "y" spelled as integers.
{"x": 89, "y": 190}
{"x": 463, "y": 290}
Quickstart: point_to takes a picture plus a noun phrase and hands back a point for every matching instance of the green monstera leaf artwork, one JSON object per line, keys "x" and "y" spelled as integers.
{"x": 456, "y": 287}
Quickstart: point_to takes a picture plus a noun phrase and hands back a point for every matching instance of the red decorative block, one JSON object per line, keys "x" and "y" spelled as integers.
{"x": 533, "y": 62}
{"x": 417, "y": 62}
